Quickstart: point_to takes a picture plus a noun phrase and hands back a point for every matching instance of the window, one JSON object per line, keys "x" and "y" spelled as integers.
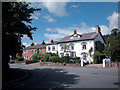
{"x": 40, "y": 50}
{"x": 61, "y": 54}
{"x": 48, "y": 48}
{"x": 84, "y": 47}
{"x": 62, "y": 48}
{"x": 31, "y": 51}
{"x": 53, "y": 48}
{"x": 35, "y": 51}
{"x": 66, "y": 54}
{"x": 72, "y": 47}
{"x": 84, "y": 56}
{"x": 25, "y": 51}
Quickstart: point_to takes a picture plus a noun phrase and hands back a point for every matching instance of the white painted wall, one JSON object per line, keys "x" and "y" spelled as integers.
{"x": 78, "y": 47}
{"x": 51, "y": 50}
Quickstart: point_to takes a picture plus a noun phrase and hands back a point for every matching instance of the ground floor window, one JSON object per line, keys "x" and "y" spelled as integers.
{"x": 66, "y": 54}
{"x": 84, "y": 56}
{"x": 61, "y": 54}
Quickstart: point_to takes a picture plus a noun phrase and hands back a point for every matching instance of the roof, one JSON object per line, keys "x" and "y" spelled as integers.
{"x": 37, "y": 46}
{"x": 54, "y": 42}
{"x": 86, "y": 36}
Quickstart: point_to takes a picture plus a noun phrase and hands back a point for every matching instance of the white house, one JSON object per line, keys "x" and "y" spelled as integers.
{"x": 79, "y": 44}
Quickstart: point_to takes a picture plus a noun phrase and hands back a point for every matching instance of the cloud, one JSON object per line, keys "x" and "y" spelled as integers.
{"x": 49, "y": 18}
{"x": 25, "y": 44}
{"x": 113, "y": 21}
{"x": 55, "y": 8}
{"x": 25, "y": 37}
{"x": 74, "y": 6}
{"x": 53, "y": 36}
{"x": 35, "y": 17}
{"x": 59, "y": 33}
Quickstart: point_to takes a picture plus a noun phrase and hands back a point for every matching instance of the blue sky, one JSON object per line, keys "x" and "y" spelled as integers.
{"x": 57, "y": 19}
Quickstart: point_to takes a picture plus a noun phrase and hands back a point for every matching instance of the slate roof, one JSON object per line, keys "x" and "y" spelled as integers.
{"x": 54, "y": 42}
{"x": 86, "y": 36}
{"x": 37, "y": 46}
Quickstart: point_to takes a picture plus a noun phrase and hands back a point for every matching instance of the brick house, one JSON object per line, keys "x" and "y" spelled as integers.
{"x": 31, "y": 50}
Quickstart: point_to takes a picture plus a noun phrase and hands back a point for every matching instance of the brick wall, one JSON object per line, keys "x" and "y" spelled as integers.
{"x": 29, "y": 53}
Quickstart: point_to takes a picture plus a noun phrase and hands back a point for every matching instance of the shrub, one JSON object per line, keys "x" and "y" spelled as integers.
{"x": 37, "y": 56}
{"x": 54, "y": 59}
{"x": 65, "y": 59}
{"x": 20, "y": 59}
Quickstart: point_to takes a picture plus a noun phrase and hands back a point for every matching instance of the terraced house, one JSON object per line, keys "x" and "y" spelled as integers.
{"x": 77, "y": 45}
{"x": 32, "y": 49}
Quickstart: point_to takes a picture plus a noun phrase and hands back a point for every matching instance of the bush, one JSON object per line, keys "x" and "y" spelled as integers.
{"x": 54, "y": 59}
{"x": 37, "y": 56}
{"x": 66, "y": 59}
{"x": 20, "y": 59}
{"x": 30, "y": 61}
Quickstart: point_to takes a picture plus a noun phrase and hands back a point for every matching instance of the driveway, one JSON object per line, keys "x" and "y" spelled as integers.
{"x": 67, "y": 77}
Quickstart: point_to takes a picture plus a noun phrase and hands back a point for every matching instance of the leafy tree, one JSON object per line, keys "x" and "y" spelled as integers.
{"x": 15, "y": 16}
{"x": 65, "y": 47}
{"x": 90, "y": 51}
{"x": 113, "y": 45}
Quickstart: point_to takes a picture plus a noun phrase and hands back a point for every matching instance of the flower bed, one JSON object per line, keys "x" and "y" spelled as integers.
{"x": 30, "y": 61}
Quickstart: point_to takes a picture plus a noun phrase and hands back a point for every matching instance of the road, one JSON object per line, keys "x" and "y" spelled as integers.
{"x": 67, "y": 77}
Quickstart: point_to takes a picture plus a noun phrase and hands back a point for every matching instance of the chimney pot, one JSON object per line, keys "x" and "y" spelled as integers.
{"x": 43, "y": 43}
{"x": 97, "y": 29}
{"x": 74, "y": 31}
{"x": 51, "y": 41}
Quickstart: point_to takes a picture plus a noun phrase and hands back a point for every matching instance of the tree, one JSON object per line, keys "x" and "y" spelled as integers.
{"x": 113, "y": 45}
{"x": 90, "y": 50}
{"x": 15, "y": 15}
{"x": 65, "y": 47}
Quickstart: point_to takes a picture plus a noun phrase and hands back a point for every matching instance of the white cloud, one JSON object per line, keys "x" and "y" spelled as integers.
{"x": 53, "y": 36}
{"x": 104, "y": 30}
{"x": 56, "y": 8}
{"x": 25, "y": 37}
{"x": 74, "y": 6}
{"x": 49, "y": 18}
{"x": 113, "y": 21}
{"x": 35, "y": 17}
{"x": 62, "y": 32}
{"x": 25, "y": 44}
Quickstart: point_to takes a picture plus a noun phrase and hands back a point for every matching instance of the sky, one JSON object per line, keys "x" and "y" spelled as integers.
{"x": 56, "y": 20}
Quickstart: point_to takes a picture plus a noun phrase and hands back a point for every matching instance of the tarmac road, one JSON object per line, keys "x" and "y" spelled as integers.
{"x": 66, "y": 77}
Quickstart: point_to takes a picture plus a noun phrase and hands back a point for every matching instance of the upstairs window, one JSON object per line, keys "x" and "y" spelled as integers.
{"x": 40, "y": 50}
{"x": 48, "y": 48}
{"x": 72, "y": 47}
{"x": 53, "y": 48}
{"x": 32, "y": 51}
{"x": 84, "y": 47}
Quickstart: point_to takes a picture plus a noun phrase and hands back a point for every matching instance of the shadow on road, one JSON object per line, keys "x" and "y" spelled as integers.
{"x": 46, "y": 78}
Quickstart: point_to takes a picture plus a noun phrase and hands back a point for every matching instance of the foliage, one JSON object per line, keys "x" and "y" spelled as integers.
{"x": 37, "y": 56}
{"x": 20, "y": 58}
{"x": 113, "y": 45}
{"x": 65, "y": 47}
{"x": 54, "y": 59}
{"x": 90, "y": 51}
{"x": 16, "y": 15}
{"x": 99, "y": 46}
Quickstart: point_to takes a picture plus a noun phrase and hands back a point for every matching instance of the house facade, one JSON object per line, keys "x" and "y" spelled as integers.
{"x": 32, "y": 49}
{"x": 78, "y": 45}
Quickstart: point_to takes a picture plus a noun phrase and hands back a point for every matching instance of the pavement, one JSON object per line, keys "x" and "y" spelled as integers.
{"x": 67, "y": 77}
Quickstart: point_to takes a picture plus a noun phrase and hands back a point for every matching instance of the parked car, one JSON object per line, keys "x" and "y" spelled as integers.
{"x": 12, "y": 61}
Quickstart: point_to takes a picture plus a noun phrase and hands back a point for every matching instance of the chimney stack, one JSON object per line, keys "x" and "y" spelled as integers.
{"x": 97, "y": 29}
{"x": 51, "y": 41}
{"x": 74, "y": 31}
{"x": 32, "y": 44}
{"x": 43, "y": 43}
